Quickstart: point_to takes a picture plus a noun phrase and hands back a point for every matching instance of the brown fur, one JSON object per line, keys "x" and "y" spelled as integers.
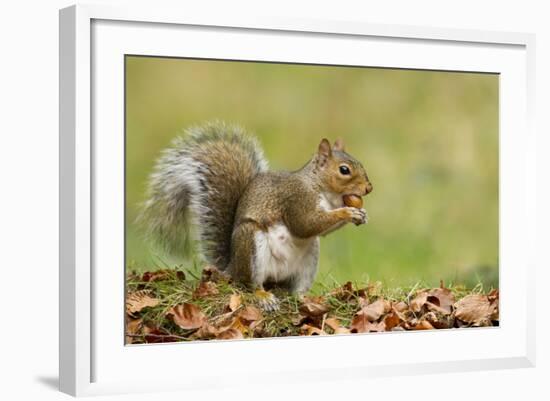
{"x": 293, "y": 198}
{"x": 217, "y": 178}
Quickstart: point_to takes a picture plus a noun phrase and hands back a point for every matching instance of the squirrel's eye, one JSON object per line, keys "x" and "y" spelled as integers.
{"x": 344, "y": 170}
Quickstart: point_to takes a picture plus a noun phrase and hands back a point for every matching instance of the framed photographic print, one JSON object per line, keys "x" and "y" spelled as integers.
{"x": 357, "y": 196}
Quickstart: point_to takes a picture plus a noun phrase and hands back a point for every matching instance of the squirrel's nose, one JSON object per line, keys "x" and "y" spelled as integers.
{"x": 368, "y": 188}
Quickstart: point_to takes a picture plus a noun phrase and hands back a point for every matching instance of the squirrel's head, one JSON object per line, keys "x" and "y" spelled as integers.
{"x": 339, "y": 171}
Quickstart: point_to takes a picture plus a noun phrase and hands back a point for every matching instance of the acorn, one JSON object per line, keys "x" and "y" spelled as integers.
{"x": 353, "y": 201}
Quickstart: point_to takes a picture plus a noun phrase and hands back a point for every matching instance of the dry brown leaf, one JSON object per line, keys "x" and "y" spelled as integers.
{"x": 136, "y": 301}
{"x": 242, "y": 326}
{"x": 392, "y": 320}
{"x": 230, "y": 334}
{"x": 250, "y": 314}
{"x": 212, "y": 273}
{"x": 494, "y": 299}
{"x": 418, "y": 302}
{"x": 235, "y": 301}
{"x": 133, "y": 327}
{"x": 442, "y": 298}
{"x": 423, "y": 325}
{"x": 164, "y": 274}
{"x": 313, "y": 309}
{"x": 400, "y": 306}
{"x": 398, "y": 328}
{"x": 309, "y": 330}
{"x": 343, "y": 293}
{"x": 187, "y": 316}
{"x": 342, "y": 330}
{"x": 475, "y": 309}
{"x": 436, "y": 308}
{"x": 363, "y": 302}
{"x": 298, "y": 320}
{"x": 205, "y": 289}
{"x": 373, "y": 311}
{"x": 334, "y": 324}
{"x": 155, "y": 276}
{"x": 206, "y": 331}
{"x": 222, "y": 320}
{"x": 157, "y": 335}
{"x": 439, "y": 321}
{"x": 360, "y": 324}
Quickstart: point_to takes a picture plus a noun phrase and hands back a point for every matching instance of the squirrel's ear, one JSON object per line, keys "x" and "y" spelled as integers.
{"x": 324, "y": 148}
{"x": 324, "y": 152}
{"x": 339, "y": 145}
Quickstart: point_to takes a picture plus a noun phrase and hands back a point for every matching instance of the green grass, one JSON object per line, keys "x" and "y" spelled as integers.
{"x": 428, "y": 139}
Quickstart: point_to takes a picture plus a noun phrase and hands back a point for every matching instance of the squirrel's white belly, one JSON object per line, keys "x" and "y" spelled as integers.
{"x": 280, "y": 256}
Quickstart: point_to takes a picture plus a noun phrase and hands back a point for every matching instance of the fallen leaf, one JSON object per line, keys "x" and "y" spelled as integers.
{"x": 495, "y": 314}
{"x": 493, "y": 297}
{"x": 335, "y": 325}
{"x": 392, "y": 320}
{"x": 298, "y": 320}
{"x": 332, "y": 322}
{"x": 133, "y": 327}
{"x": 205, "y": 289}
{"x": 360, "y": 324}
{"x": 222, "y": 320}
{"x": 250, "y": 314}
{"x": 439, "y": 321}
{"x": 398, "y": 328}
{"x": 442, "y": 298}
{"x": 230, "y": 334}
{"x": 309, "y": 330}
{"x": 187, "y": 316}
{"x": 400, "y": 306}
{"x": 235, "y": 300}
{"x": 436, "y": 308}
{"x": 206, "y": 331}
{"x": 157, "y": 335}
{"x": 343, "y": 293}
{"x": 212, "y": 273}
{"x": 376, "y": 309}
{"x": 418, "y": 302}
{"x": 423, "y": 325}
{"x": 475, "y": 309}
{"x": 313, "y": 309}
{"x": 164, "y": 274}
{"x": 342, "y": 330}
{"x": 363, "y": 302}
{"x": 136, "y": 301}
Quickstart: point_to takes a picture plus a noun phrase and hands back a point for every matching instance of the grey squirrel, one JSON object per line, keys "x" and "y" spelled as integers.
{"x": 261, "y": 227}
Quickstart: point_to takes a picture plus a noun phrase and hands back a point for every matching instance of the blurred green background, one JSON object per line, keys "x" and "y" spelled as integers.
{"x": 428, "y": 139}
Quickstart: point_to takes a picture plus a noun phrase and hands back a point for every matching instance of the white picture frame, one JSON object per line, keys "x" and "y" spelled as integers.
{"x": 93, "y": 358}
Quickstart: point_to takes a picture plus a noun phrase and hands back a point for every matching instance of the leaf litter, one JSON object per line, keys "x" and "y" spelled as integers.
{"x": 165, "y": 306}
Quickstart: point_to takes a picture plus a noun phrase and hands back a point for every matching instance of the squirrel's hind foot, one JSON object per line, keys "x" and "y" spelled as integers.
{"x": 266, "y": 300}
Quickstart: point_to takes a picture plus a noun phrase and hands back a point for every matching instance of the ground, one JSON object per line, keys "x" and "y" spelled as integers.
{"x": 173, "y": 305}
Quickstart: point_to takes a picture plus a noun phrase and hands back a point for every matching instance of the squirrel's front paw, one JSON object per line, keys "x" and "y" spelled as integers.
{"x": 266, "y": 300}
{"x": 357, "y": 216}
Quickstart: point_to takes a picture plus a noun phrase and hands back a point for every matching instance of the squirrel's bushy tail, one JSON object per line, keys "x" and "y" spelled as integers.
{"x": 195, "y": 188}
